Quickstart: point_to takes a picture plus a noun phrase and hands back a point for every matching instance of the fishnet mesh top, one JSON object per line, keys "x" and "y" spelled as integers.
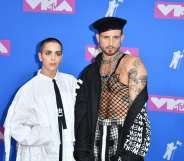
{"x": 114, "y": 100}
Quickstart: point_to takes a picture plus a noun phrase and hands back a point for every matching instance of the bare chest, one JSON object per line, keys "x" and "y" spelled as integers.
{"x": 109, "y": 69}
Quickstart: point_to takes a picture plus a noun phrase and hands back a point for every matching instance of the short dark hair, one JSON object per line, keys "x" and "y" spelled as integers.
{"x": 47, "y": 40}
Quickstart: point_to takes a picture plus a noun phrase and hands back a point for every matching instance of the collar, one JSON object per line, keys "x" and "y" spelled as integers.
{"x": 47, "y": 77}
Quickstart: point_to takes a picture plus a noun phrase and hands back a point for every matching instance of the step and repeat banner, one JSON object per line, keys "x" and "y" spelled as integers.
{"x": 154, "y": 32}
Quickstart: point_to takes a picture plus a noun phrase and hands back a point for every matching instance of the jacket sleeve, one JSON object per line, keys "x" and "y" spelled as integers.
{"x": 22, "y": 121}
{"x": 82, "y": 150}
{"x": 135, "y": 136}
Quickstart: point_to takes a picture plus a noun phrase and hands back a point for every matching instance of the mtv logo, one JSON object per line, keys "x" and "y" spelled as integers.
{"x": 179, "y": 143}
{"x": 166, "y": 104}
{"x": 176, "y": 59}
{"x": 113, "y": 5}
{"x": 4, "y": 47}
{"x": 131, "y": 51}
{"x": 170, "y": 150}
{"x": 50, "y": 6}
{"x": 169, "y": 10}
{"x": 1, "y": 133}
{"x": 92, "y": 51}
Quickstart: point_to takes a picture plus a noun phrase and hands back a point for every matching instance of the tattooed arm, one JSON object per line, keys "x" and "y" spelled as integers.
{"x": 137, "y": 78}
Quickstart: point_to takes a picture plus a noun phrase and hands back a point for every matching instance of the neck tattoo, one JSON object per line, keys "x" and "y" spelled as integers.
{"x": 105, "y": 75}
{"x": 110, "y": 61}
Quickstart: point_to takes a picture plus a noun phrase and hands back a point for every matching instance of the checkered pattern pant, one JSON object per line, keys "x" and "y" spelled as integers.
{"x": 111, "y": 138}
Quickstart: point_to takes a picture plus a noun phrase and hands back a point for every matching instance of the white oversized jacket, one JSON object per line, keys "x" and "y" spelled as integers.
{"x": 33, "y": 122}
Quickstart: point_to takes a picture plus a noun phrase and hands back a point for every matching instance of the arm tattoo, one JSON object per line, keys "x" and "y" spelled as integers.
{"x": 136, "y": 63}
{"x": 136, "y": 82}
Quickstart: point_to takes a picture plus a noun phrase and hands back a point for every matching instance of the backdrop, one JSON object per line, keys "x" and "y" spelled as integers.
{"x": 154, "y": 32}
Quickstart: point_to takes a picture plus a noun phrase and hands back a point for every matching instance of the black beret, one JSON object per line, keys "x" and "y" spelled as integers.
{"x": 108, "y": 23}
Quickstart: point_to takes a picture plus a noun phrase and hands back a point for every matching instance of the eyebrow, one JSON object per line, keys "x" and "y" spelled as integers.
{"x": 111, "y": 36}
{"x": 52, "y": 51}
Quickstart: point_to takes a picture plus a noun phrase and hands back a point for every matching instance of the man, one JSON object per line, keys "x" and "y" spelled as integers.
{"x": 111, "y": 122}
{"x": 38, "y": 119}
